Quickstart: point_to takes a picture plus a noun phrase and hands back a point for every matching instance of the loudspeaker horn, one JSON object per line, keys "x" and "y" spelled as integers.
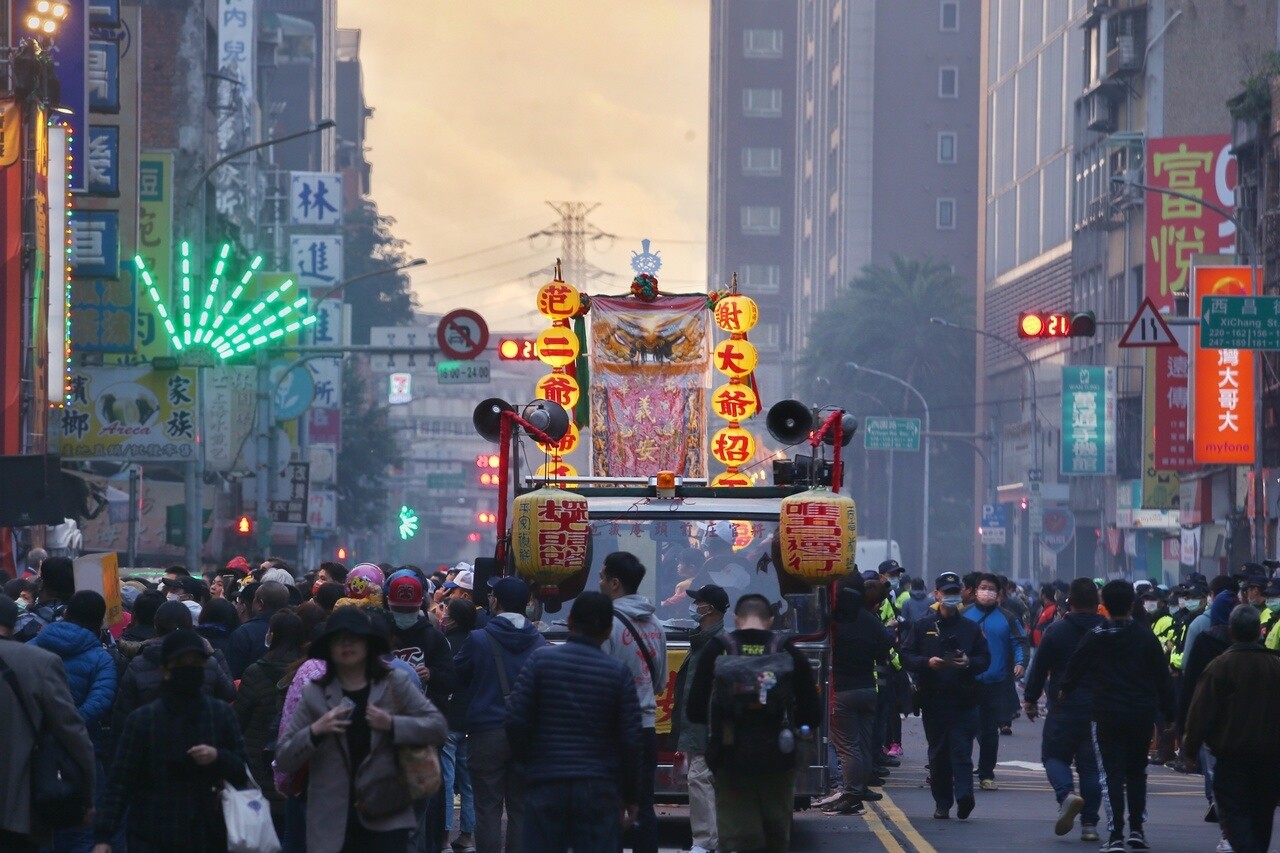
{"x": 789, "y": 421}
{"x": 848, "y": 426}
{"x": 487, "y": 418}
{"x": 548, "y": 416}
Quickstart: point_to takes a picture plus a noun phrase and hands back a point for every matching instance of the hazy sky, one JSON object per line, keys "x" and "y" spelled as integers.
{"x": 487, "y": 109}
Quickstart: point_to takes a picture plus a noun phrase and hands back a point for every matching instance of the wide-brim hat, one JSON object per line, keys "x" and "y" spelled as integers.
{"x": 350, "y": 620}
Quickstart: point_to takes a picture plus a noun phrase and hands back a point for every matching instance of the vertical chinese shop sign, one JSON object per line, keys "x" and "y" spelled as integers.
{"x": 1177, "y": 228}
{"x": 1223, "y": 407}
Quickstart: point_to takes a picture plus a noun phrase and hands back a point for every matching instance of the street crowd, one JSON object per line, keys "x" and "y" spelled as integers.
{"x": 1126, "y": 675}
{"x": 387, "y": 708}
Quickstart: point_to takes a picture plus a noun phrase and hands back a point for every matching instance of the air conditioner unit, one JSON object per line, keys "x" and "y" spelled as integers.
{"x": 1099, "y": 113}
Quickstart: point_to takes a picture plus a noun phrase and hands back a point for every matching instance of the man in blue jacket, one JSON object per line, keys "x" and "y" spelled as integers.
{"x": 486, "y": 669}
{"x": 1067, "y": 734}
{"x": 576, "y": 720}
{"x": 1007, "y": 643}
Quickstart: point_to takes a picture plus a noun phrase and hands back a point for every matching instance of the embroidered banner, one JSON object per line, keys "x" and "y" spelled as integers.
{"x": 649, "y": 375}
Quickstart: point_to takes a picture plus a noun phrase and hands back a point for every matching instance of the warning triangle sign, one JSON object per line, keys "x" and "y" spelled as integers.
{"x": 1148, "y": 329}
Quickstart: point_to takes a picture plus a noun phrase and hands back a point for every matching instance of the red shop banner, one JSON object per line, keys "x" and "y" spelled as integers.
{"x": 1177, "y": 228}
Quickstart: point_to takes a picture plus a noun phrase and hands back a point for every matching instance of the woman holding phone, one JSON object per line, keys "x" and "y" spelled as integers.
{"x": 346, "y": 728}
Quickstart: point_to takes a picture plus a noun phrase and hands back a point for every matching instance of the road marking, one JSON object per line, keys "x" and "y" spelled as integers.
{"x": 899, "y": 820}
{"x": 1024, "y": 765}
{"x": 883, "y": 833}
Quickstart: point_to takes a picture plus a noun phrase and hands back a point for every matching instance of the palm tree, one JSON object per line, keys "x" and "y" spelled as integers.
{"x": 881, "y": 320}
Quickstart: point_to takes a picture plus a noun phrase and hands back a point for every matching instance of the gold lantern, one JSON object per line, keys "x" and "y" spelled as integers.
{"x": 818, "y": 533}
{"x": 736, "y": 314}
{"x": 557, "y": 346}
{"x": 558, "y": 300}
{"x": 550, "y": 538}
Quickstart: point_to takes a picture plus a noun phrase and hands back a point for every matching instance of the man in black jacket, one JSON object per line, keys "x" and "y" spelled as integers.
{"x": 249, "y": 641}
{"x": 575, "y": 719}
{"x": 860, "y": 642}
{"x": 1126, "y": 668}
{"x": 946, "y": 652}
{"x": 753, "y": 809}
{"x": 1067, "y": 736}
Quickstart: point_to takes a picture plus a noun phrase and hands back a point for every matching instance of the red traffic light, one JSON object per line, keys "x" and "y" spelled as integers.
{"x": 244, "y": 525}
{"x": 1056, "y": 324}
{"x": 517, "y": 349}
{"x": 488, "y": 460}
{"x": 473, "y": 537}
{"x": 342, "y": 553}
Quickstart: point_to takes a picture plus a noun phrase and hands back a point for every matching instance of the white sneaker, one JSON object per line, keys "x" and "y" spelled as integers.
{"x": 696, "y": 849}
{"x": 1224, "y": 846}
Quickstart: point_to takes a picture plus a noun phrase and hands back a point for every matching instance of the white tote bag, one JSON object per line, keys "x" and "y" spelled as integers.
{"x": 248, "y": 818}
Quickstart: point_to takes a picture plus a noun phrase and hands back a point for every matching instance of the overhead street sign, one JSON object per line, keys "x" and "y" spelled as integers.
{"x": 1240, "y": 322}
{"x": 1148, "y": 329}
{"x": 891, "y": 434}
{"x": 462, "y": 334}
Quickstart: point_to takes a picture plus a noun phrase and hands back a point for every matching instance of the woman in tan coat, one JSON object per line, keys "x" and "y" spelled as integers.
{"x": 345, "y": 732}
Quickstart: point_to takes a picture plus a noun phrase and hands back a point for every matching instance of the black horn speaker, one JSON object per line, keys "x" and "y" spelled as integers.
{"x": 789, "y": 421}
{"x": 547, "y": 416}
{"x": 848, "y": 426}
{"x": 487, "y": 418}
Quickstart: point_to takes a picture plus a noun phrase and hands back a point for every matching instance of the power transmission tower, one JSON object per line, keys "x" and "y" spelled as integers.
{"x": 574, "y": 231}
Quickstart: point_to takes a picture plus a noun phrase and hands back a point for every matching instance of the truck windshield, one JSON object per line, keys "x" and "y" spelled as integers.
{"x": 683, "y": 553}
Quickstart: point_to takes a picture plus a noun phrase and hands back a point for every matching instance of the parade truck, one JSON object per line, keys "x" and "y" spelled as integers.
{"x": 644, "y": 393}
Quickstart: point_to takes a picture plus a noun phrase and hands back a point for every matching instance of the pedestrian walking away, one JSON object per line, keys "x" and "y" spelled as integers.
{"x": 947, "y": 652}
{"x": 575, "y": 721}
{"x": 1067, "y": 736}
{"x": 1234, "y": 712}
{"x": 1125, "y": 666}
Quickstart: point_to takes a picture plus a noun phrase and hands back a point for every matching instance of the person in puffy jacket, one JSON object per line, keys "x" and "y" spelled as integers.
{"x": 91, "y": 673}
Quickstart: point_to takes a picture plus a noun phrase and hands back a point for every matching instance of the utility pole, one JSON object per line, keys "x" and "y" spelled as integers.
{"x": 574, "y": 230}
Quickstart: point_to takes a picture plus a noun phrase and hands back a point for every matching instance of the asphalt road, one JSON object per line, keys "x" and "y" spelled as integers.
{"x": 1019, "y": 816}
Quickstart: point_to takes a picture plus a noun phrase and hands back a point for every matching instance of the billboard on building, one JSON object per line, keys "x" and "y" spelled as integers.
{"x": 1223, "y": 415}
{"x": 1088, "y": 420}
{"x": 1178, "y": 228}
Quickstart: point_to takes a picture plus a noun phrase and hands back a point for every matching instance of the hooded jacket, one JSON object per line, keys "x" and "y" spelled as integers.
{"x": 476, "y": 668}
{"x": 917, "y": 606}
{"x": 1049, "y": 665}
{"x": 1125, "y": 665}
{"x": 1006, "y": 640}
{"x": 1213, "y": 641}
{"x": 423, "y": 644}
{"x": 142, "y": 680}
{"x": 91, "y": 673}
{"x": 621, "y": 645}
{"x": 861, "y": 641}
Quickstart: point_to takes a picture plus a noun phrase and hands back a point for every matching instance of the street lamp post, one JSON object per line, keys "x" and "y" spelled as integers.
{"x": 924, "y": 558}
{"x": 1035, "y": 413}
{"x": 194, "y": 479}
{"x": 1246, "y": 237}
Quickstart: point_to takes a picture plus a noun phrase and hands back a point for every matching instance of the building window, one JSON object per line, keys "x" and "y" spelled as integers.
{"x": 762, "y": 162}
{"x": 762, "y": 103}
{"x": 949, "y": 16}
{"x": 761, "y": 278}
{"x": 948, "y": 82}
{"x": 761, "y": 221}
{"x": 767, "y": 336}
{"x": 946, "y": 147}
{"x": 946, "y": 214}
{"x": 762, "y": 44}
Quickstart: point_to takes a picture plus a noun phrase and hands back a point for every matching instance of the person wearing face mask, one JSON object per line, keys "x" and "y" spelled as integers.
{"x": 708, "y": 606}
{"x": 415, "y": 640}
{"x": 946, "y": 652}
{"x": 1271, "y": 605}
{"x": 1007, "y": 645}
{"x": 173, "y": 756}
{"x": 1193, "y": 598}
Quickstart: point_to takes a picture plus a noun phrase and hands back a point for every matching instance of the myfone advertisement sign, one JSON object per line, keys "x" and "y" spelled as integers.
{"x": 1088, "y": 420}
{"x": 1177, "y": 228}
{"x": 1223, "y": 403}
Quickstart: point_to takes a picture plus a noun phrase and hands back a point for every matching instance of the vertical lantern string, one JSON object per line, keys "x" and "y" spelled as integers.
{"x": 734, "y": 401}
{"x": 558, "y": 348}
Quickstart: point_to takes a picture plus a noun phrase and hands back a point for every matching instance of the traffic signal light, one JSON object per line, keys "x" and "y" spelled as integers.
{"x": 486, "y": 517}
{"x": 342, "y": 553}
{"x": 1057, "y": 324}
{"x": 244, "y": 525}
{"x": 473, "y": 537}
{"x": 517, "y": 349}
{"x": 489, "y": 464}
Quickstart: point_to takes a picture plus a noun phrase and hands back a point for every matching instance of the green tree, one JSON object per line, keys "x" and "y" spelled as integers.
{"x": 881, "y": 320}
{"x": 368, "y": 449}
{"x": 370, "y": 245}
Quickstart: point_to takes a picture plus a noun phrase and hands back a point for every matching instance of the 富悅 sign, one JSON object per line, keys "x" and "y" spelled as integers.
{"x": 1088, "y": 420}
{"x": 891, "y": 434}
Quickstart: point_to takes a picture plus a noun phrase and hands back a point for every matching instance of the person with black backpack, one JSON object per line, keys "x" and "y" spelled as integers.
{"x": 757, "y": 693}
